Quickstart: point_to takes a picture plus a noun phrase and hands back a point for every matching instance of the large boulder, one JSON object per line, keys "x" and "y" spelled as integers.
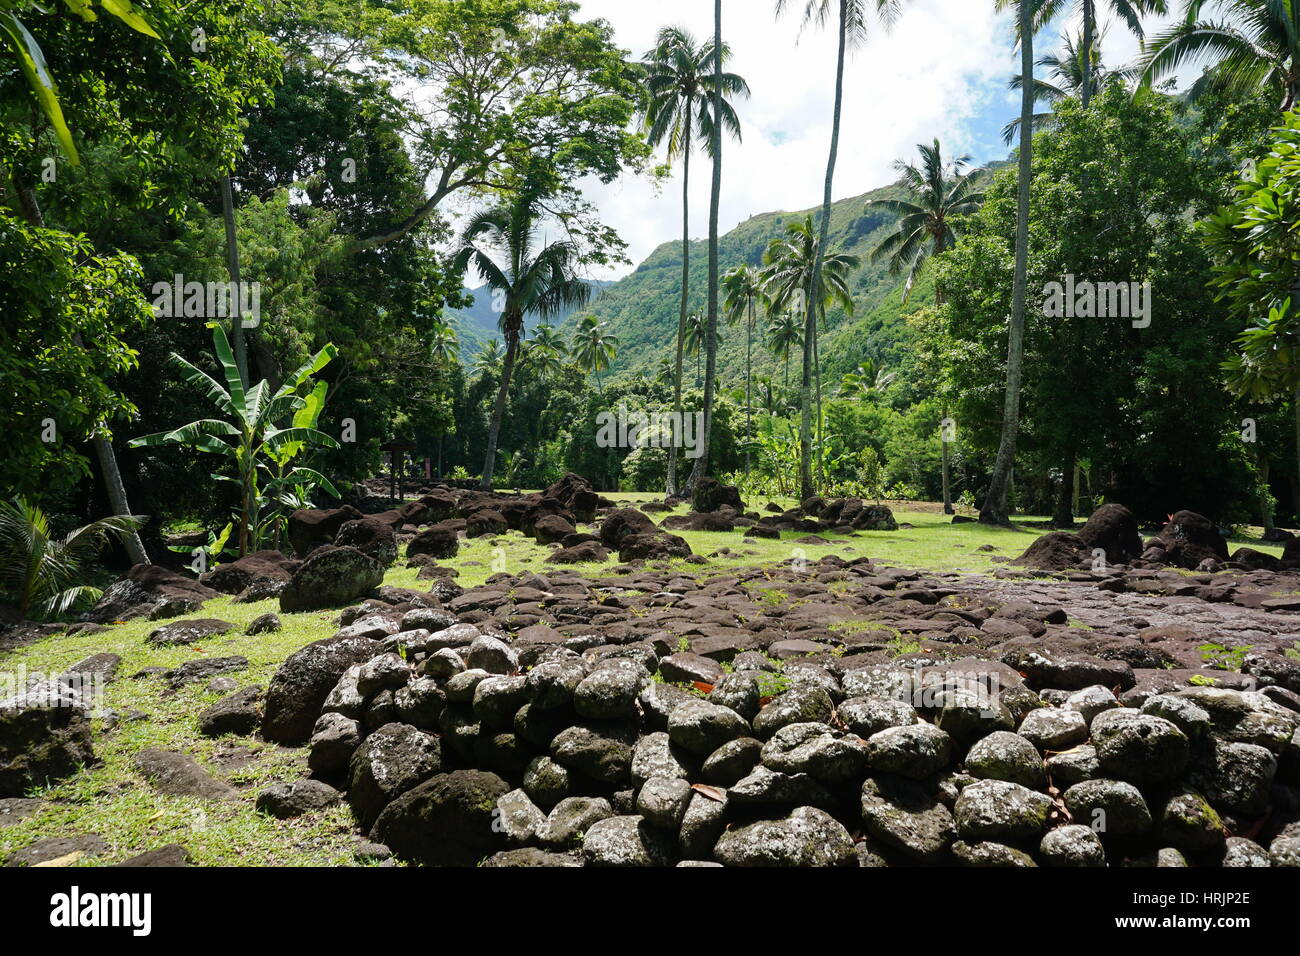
{"x": 331, "y": 577}
{"x": 309, "y": 528}
{"x": 394, "y": 759}
{"x": 1058, "y": 551}
{"x": 486, "y": 523}
{"x": 439, "y": 541}
{"x": 577, "y": 495}
{"x": 299, "y": 688}
{"x": 446, "y": 821}
{"x": 259, "y": 568}
{"x": 653, "y": 547}
{"x": 145, "y": 588}
{"x": 372, "y": 537}
{"x": 711, "y": 494}
{"x": 1190, "y": 538}
{"x": 1114, "y": 529}
{"x": 44, "y": 736}
{"x": 624, "y": 523}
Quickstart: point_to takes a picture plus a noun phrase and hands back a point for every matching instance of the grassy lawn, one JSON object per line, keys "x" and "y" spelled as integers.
{"x": 112, "y": 801}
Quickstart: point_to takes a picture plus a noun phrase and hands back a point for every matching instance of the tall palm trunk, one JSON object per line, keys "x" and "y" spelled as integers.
{"x": 1063, "y": 517}
{"x": 749, "y": 371}
{"x": 995, "y": 505}
{"x": 237, "y": 343}
{"x": 513, "y": 323}
{"x": 1089, "y": 31}
{"x": 810, "y": 318}
{"x": 711, "y": 324}
{"x": 671, "y": 488}
{"x": 945, "y": 441}
{"x": 108, "y": 466}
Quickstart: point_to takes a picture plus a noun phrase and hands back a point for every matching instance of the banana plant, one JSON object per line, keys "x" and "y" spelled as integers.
{"x": 249, "y": 436}
{"x": 31, "y": 60}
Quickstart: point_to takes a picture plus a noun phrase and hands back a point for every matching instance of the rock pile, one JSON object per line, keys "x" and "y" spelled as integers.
{"x": 646, "y": 724}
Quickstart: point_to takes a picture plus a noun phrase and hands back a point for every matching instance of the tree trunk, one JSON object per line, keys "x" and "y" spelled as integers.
{"x": 103, "y": 446}
{"x": 671, "y": 488}
{"x": 499, "y": 410}
{"x": 1265, "y": 508}
{"x": 237, "y": 343}
{"x": 944, "y": 444}
{"x": 749, "y": 371}
{"x": 810, "y": 324}
{"x": 995, "y": 505}
{"x": 1089, "y": 31}
{"x": 1064, "y": 514}
{"x": 703, "y": 463}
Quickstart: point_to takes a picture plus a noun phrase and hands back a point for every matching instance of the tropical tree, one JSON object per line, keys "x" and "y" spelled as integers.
{"x": 994, "y": 510}
{"x": 715, "y": 205}
{"x": 743, "y": 288}
{"x": 931, "y": 219}
{"x": 39, "y": 573}
{"x": 868, "y": 378}
{"x": 681, "y": 76}
{"x": 488, "y": 359}
{"x": 801, "y": 278}
{"x": 696, "y": 327}
{"x": 545, "y": 352}
{"x": 851, "y": 20}
{"x": 444, "y": 346}
{"x": 784, "y": 336}
{"x": 1257, "y": 44}
{"x": 594, "y": 346}
{"x": 543, "y": 282}
{"x": 1088, "y": 52}
{"x": 1067, "y": 69}
{"x": 260, "y": 446}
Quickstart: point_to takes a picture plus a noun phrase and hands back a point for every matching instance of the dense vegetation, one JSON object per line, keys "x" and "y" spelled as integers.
{"x": 838, "y": 366}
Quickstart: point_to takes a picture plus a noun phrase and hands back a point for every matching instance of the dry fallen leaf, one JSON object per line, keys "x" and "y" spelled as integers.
{"x": 67, "y": 860}
{"x": 713, "y": 793}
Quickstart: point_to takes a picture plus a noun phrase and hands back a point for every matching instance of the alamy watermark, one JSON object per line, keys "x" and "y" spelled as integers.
{"x": 628, "y": 429}
{"x": 177, "y": 299}
{"x": 1074, "y": 299}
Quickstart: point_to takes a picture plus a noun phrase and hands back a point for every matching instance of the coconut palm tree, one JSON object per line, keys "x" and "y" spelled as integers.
{"x": 681, "y": 76}
{"x": 784, "y": 336}
{"x": 743, "y": 287}
{"x": 545, "y": 352}
{"x": 800, "y": 277}
{"x": 939, "y": 196}
{"x": 994, "y": 510}
{"x": 444, "y": 346}
{"x": 868, "y": 378}
{"x": 487, "y": 361}
{"x": 38, "y": 571}
{"x": 1256, "y": 43}
{"x": 696, "y": 325}
{"x": 543, "y": 282}
{"x": 1130, "y": 12}
{"x": 1066, "y": 69}
{"x": 594, "y": 346}
{"x": 852, "y": 22}
{"x": 715, "y": 205}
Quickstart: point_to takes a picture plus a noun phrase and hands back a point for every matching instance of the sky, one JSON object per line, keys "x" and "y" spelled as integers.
{"x": 942, "y": 71}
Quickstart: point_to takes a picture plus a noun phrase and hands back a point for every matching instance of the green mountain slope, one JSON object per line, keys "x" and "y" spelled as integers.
{"x": 642, "y": 309}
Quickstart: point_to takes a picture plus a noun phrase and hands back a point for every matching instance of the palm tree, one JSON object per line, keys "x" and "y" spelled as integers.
{"x": 1089, "y": 48}
{"x": 444, "y": 346}
{"x": 1258, "y": 44}
{"x": 867, "y": 379}
{"x": 38, "y": 571}
{"x": 696, "y": 325}
{"x": 1067, "y": 69}
{"x": 545, "y": 352}
{"x": 743, "y": 286}
{"x": 594, "y": 346}
{"x": 939, "y": 196}
{"x": 784, "y": 335}
{"x": 994, "y": 510}
{"x": 681, "y": 78}
{"x": 487, "y": 361}
{"x": 800, "y": 275}
{"x": 715, "y": 205}
{"x": 544, "y": 283}
{"x": 851, "y": 21}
